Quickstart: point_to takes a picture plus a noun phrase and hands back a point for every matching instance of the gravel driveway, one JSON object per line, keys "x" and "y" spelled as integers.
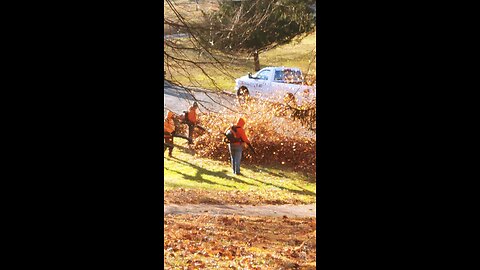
{"x": 178, "y": 99}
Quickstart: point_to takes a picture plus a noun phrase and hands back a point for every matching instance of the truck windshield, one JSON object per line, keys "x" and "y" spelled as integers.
{"x": 288, "y": 75}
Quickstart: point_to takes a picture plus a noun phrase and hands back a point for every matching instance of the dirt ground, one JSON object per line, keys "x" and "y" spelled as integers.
{"x": 308, "y": 210}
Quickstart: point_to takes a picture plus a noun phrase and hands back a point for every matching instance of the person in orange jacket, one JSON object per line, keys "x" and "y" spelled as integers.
{"x": 168, "y": 130}
{"x": 235, "y": 147}
{"x": 191, "y": 120}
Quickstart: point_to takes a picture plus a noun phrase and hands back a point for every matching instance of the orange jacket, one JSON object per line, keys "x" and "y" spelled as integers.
{"x": 241, "y": 132}
{"x": 192, "y": 115}
{"x": 168, "y": 124}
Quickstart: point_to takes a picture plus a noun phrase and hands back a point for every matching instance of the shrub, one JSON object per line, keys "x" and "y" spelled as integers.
{"x": 277, "y": 140}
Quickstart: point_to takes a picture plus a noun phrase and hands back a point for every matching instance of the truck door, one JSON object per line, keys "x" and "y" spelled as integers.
{"x": 278, "y": 86}
{"x": 261, "y": 83}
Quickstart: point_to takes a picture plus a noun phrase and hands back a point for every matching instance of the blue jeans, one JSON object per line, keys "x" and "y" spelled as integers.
{"x": 235, "y": 156}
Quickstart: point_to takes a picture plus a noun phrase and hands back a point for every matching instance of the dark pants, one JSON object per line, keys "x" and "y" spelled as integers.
{"x": 235, "y": 156}
{"x": 191, "y": 127}
{"x": 168, "y": 140}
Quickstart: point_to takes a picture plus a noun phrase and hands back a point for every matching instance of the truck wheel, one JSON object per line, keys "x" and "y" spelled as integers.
{"x": 242, "y": 95}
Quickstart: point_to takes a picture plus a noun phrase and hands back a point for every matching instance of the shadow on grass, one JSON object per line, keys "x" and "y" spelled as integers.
{"x": 186, "y": 150}
{"x": 201, "y": 171}
{"x": 198, "y": 177}
{"x": 258, "y": 169}
{"x": 310, "y": 178}
{"x": 183, "y": 149}
{"x": 303, "y": 191}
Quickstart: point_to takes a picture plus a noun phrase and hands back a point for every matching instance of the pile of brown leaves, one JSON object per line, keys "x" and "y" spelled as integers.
{"x": 225, "y": 242}
{"x": 277, "y": 139}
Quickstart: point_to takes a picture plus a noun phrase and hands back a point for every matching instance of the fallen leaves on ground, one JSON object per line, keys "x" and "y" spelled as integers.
{"x": 201, "y": 196}
{"x": 235, "y": 242}
{"x": 277, "y": 139}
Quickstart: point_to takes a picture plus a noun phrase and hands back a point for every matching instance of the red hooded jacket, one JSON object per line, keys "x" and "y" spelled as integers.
{"x": 241, "y": 132}
{"x": 168, "y": 124}
{"x": 192, "y": 114}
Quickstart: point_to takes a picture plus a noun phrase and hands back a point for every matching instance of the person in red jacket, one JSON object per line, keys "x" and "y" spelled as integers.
{"x": 168, "y": 130}
{"x": 236, "y": 147}
{"x": 191, "y": 120}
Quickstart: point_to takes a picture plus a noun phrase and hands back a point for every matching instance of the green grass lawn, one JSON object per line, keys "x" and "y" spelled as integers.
{"x": 184, "y": 171}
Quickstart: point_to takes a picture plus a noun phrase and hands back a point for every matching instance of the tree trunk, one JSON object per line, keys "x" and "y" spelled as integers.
{"x": 256, "y": 61}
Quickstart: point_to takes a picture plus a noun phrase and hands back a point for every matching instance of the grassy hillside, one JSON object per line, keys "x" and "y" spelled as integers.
{"x": 188, "y": 10}
{"x": 298, "y": 53}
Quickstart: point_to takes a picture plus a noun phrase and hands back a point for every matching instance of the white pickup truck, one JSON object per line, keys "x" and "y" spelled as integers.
{"x": 275, "y": 83}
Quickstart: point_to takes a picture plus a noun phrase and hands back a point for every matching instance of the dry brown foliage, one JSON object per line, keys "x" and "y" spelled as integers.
{"x": 279, "y": 138}
{"x": 233, "y": 242}
{"x": 200, "y": 196}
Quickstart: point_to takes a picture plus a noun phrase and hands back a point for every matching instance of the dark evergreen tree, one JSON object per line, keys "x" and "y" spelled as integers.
{"x": 253, "y": 26}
